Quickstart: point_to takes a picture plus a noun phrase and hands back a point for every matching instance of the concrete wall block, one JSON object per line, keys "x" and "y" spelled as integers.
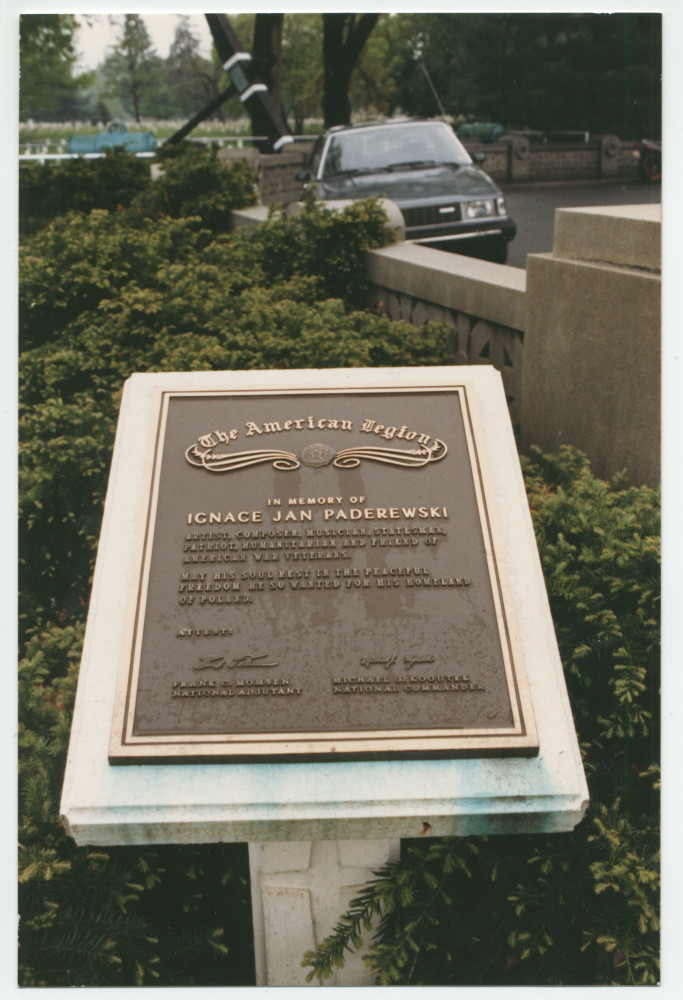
{"x": 592, "y": 363}
{"x": 477, "y": 287}
{"x": 422, "y": 312}
{"x": 481, "y": 344}
{"x": 491, "y": 344}
{"x": 394, "y": 304}
{"x": 625, "y": 235}
{"x": 283, "y": 908}
{"x": 460, "y": 342}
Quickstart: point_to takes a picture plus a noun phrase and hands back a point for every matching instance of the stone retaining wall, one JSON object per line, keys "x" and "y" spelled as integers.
{"x": 275, "y": 172}
{"x": 513, "y": 159}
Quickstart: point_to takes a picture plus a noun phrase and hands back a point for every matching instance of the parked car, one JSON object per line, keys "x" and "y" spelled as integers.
{"x": 117, "y": 136}
{"x": 423, "y": 167}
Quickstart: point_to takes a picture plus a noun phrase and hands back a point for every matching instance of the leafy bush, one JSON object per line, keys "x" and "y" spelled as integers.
{"x": 150, "y": 288}
{"x": 45, "y": 189}
{"x": 108, "y": 294}
{"x": 124, "y": 916}
{"x": 567, "y": 909}
{"x": 194, "y": 182}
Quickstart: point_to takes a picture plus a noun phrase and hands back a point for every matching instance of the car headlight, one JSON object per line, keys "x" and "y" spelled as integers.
{"x": 479, "y": 209}
{"x": 501, "y": 206}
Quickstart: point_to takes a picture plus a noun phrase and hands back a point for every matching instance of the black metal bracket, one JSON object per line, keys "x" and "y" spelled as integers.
{"x": 201, "y": 115}
{"x": 253, "y": 92}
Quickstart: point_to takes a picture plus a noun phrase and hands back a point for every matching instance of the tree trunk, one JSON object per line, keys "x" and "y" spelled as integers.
{"x": 267, "y": 54}
{"x": 344, "y": 36}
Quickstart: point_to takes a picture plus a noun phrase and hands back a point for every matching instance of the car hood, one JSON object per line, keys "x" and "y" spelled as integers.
{"x": 411, "y": 185}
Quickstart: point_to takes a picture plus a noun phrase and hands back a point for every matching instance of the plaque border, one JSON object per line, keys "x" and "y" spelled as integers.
{"x": 519, "y": 739}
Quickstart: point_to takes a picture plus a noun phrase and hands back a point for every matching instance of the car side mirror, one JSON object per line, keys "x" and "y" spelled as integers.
{"x": 478, "y": 157}
{"x": 303, "y": 175}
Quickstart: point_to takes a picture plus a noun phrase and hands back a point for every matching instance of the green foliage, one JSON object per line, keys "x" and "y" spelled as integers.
{"x": 566, "y": 909}
{"x": 151, "y": 288}
{"x": 46, "y": 189}
{"x": 557, "y": 71}
{"x": 106, "y": 294}
{"x": 124, "y": 916}
{"x": 47, "y": 57}
{"x": 194, "y": 182}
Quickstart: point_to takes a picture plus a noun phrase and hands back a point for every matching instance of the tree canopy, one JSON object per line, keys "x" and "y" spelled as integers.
{"x": 47, "y": 59}
{"x": 594, "y": 72}
{"x": 585, "y": 71}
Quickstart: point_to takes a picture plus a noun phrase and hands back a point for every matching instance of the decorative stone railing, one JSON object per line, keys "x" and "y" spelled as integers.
{"x": 483, "y": 304}
{"x": 514, "y": 158}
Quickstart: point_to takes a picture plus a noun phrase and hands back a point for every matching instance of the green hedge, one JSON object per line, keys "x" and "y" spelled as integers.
{"x": 46, "y": 188}
{"x": 158, "y": 285}
{"x": 109, "y": 293}
{"x": 192, "y": 181}
{"x": 569, "y": 909}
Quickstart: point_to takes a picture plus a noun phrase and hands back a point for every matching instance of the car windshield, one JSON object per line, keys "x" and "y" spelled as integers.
{"x": 393, "y": 147}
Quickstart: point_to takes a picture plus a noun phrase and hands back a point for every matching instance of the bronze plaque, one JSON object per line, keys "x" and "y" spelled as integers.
{"x": 321, "y": 578}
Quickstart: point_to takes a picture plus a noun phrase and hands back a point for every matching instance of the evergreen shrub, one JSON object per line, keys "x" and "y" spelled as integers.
{"x": 46, "y": 188}
{"x": 154, "y": 286}
{"x": 579, "y": 908}
{"x": 192, "y": 181}
{"x": 159, "y": 286}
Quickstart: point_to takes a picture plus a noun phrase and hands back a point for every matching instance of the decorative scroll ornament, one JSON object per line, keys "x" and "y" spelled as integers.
{"x": 283, "y": 460}
{"x": 315, "y": 455}
{"x": 412, "y": 459}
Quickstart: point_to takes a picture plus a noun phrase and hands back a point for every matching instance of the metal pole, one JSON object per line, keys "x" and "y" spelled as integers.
{"x": 429, "y": 81}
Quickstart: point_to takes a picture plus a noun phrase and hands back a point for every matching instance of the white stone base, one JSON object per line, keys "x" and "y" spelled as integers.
{"x": 324, "y": 800}
{"x": 298, "y": 891}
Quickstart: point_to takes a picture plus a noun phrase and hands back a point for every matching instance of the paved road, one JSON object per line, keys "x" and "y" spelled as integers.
{"x": 533, "y": 209}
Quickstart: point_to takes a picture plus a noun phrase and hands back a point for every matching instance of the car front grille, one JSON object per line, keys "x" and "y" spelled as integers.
{"x": 430, "y": 215}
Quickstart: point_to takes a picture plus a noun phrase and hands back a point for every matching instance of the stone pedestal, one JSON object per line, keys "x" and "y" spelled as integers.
{"x": 298, "y": 891}
{"x": 318, "y": 828}
{"x": 592, "y": 340}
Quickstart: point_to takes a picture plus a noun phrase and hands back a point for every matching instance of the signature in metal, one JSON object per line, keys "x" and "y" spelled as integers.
{"x": 381, "y": 661}
{"x": 217, "y": 662}
{"x": 388, "y": 661}
{"x": 412, "y": 660}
